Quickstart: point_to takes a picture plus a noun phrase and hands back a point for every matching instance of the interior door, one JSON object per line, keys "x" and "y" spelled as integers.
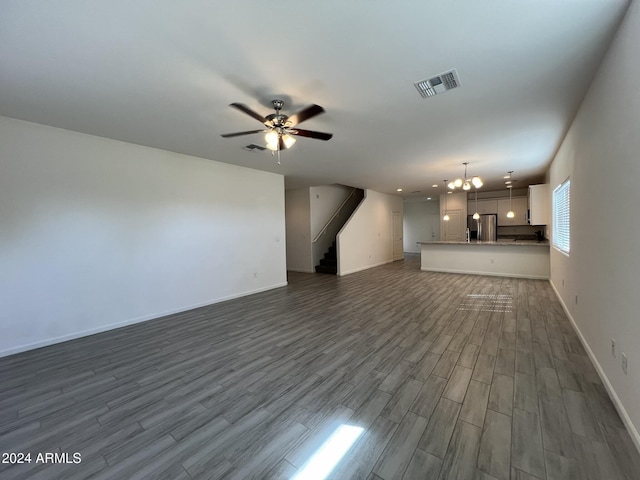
{"x": 453, "y": 228}
{"x": 434, "y": 227}
{"x": 398, "y": 248}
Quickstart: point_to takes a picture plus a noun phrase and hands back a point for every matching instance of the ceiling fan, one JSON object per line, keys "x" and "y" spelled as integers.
{"x": 280, "y": 129}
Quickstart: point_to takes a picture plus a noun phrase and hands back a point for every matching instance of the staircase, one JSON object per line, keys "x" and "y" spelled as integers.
{"x": 329, "y": 264}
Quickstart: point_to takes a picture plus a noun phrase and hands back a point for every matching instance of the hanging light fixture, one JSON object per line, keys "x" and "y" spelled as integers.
{"x": 510, "y": 213}
{"x": 273, "y": 140}
{"x": 465, "y": 182}
{"x": 476, "y": 216}
{"x": 446, "y": 215}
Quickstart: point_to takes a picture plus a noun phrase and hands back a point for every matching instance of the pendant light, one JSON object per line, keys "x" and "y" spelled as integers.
{"x": 465, "y": 182}
{"x": 476, "y": 216}
{"x": 446, "y": 215}
{"x": 510, "y": 213}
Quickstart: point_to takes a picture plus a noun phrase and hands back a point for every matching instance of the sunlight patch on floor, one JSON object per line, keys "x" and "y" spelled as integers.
{"x": 487, "y": 302}
{"x": 325, "y": 459}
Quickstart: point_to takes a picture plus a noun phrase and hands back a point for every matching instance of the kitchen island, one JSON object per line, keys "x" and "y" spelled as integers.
{"x": 505, "y": 258}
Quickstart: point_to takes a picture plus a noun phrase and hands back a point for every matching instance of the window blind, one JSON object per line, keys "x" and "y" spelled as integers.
{"x": 561, "y": 217}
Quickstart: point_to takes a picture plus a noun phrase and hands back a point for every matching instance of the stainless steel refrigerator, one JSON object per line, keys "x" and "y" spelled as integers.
{"x": 485, "y": 228}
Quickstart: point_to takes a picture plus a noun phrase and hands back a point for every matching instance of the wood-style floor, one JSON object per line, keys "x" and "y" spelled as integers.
{"x": 450, "y": 376}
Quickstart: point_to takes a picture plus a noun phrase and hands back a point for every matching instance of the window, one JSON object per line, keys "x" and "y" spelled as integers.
{"x": 561, "y": 214}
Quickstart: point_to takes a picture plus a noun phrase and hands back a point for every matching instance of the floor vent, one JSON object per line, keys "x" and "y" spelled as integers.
{"x": 438, "y": 84}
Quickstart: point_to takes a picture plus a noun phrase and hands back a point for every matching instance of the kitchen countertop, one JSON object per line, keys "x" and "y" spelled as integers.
{"x": 500, "y": 243}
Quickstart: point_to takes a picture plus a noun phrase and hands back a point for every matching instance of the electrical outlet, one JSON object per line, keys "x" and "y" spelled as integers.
{"x": 613, "y": 348}
{"x": 624, "y": 364}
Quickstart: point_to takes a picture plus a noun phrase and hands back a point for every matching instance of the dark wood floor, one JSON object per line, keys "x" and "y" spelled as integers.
{"x": 451, "y": 377}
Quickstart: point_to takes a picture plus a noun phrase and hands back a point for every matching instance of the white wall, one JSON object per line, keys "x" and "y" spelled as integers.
{"x": 417, "y": 217}
{"x": 324, "y": 201}
{"x": 97, "y": 233}
{"x": 298, "y": 227}
{"x": 600, "y": 155}
{"x": 367, "y": 238}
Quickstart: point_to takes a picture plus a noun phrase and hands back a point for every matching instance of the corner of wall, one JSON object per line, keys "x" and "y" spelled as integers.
{"x": 624, "y": 415}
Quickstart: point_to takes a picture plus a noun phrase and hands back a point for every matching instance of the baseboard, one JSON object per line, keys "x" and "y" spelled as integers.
{"x": 300, "y": 270}
{"x": 487, "y": 274}
{"x": 132, "y": 321}
{"x": 360, "y": 269}
{"x": 633, "y": 432}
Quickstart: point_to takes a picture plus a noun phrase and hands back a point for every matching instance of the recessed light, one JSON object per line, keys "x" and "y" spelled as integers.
{"x": 449, "y": 193}
{"x": 507, "y": 176}
{"x": 399, "y": 190}
{"x": 428, "y": 198}
{"x": 434, "y": 186}
{"x": 508, "y": 182}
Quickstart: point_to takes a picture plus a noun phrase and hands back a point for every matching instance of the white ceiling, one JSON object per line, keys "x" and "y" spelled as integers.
{"x": 162, "y": 73}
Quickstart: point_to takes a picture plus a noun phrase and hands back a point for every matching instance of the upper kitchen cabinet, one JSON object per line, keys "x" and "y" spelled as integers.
{"x": 485, "y": 206}
{"x": 519, "y": 207}
{"x": 539, "y": 204}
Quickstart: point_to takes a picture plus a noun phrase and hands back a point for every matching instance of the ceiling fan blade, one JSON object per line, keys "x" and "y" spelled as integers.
{"x": 248, "y": 111}
{"x": 312, "y": 134}
{"x": 305, "y": 114}
{"x": 237, "y": 134}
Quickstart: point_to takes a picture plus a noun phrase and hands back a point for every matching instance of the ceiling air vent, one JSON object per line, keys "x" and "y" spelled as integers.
{"x": 253, "y": 148}
{"x": 438, "y": 84}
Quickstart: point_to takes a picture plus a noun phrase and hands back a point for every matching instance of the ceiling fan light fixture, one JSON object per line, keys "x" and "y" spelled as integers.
{"x": 288, "y": 140}
{"x": 466, "y": 186}
{"x": 477, "y": 182}
{"x": 451, "y": 185}
{"x": 458, "y": 182}
{"x": 272, "y": 139}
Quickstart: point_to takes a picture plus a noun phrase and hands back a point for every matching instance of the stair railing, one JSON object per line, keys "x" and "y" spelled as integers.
{"x": 334, "y": 216}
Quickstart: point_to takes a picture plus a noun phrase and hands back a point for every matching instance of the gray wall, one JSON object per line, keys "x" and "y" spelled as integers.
{"x": 598, "y": 281}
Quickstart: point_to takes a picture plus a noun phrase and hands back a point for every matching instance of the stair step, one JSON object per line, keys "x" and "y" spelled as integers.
{"x": 327, "y": 269}
{"x": 328, "y": 262}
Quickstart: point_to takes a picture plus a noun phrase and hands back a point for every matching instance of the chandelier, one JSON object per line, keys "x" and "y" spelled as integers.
{"x": 465, "y": 182}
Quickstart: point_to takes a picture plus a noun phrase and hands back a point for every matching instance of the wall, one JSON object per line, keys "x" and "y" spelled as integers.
{"x": 417, "y": 217}
{"x": 98, "y": 233}
{"x": 367, "y": 239}
{"x": 598, "y": 281}
{"x": 324, "y": 201}
{"x": 298, "y": 227}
